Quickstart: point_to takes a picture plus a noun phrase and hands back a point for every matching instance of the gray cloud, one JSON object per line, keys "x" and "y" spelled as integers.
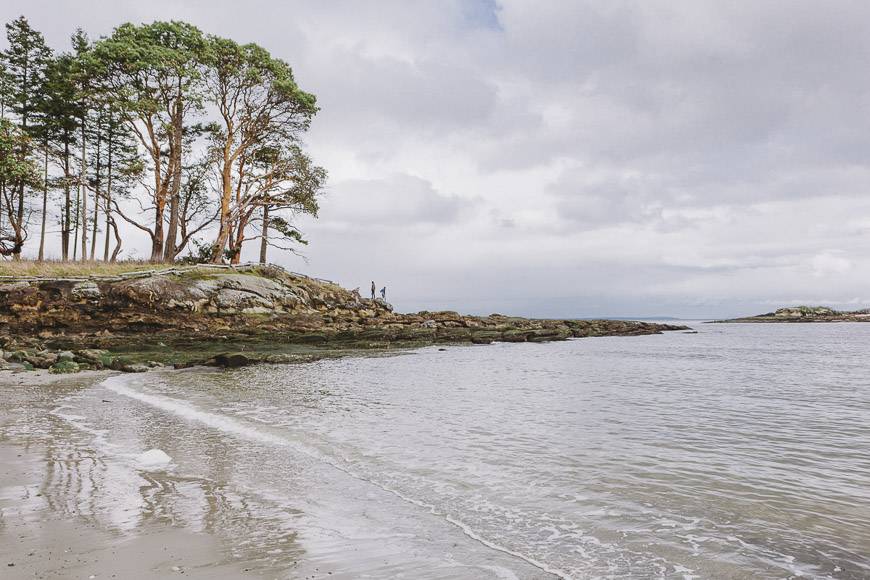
{"x": 567, "y": 158}
{"x": 396, "y": 201}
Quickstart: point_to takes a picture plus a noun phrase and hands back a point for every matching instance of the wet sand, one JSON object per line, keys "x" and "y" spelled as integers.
{"x": 39, "y": 539}
{"x": 75, "y": 504}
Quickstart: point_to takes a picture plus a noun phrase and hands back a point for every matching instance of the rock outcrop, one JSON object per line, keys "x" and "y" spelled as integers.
{"x": 806, "y": 314}
{"x": 242, "y": 305}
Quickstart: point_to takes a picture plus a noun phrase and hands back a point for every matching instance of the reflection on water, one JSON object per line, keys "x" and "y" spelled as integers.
{"x": 89, "y": 477}
{"x": 255, "y": 500}
{"x": 738, "y": 452}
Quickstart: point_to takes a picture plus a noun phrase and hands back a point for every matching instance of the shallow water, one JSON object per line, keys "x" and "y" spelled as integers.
{"x": 739, "y": 452}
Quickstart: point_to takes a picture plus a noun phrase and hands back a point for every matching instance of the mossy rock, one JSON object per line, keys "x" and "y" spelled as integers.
{"x": 18, "y": 356}
{"x": 515, "y": 335}
{"x": 64, "y": 367}
{"x": 485, "y": 336}
{"x": 312, "y": 338}
{"x": 416, "y": 334}
{"x": 458, "y": 334}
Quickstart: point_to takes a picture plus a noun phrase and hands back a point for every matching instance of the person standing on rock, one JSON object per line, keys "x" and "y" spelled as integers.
{"x": 374, "y": 289}
{"x": 384, "y": 293}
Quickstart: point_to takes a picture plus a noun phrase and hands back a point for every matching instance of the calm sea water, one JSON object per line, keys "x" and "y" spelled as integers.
{"x": 742, "y": 451}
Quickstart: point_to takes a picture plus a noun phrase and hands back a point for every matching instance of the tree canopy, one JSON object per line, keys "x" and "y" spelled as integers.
{"x": 179, "y": 134}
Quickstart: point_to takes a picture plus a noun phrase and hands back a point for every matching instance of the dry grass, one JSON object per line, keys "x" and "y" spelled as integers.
{"x": 52, "y": 269}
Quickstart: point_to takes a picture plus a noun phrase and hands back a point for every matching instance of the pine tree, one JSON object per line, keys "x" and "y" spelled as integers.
{"x": 61, "y": 114}
{"x": 25, "y": 62}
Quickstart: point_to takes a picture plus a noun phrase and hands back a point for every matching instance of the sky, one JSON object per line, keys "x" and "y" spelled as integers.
{"x": 690, "y": 158}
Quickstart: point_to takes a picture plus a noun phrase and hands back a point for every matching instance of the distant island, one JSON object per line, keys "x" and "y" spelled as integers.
{"x": 806, "y": 314}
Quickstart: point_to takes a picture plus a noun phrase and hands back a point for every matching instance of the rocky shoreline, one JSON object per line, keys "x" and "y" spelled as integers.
{"x": 802, "y": 314}
{"x": 231, "y": 316}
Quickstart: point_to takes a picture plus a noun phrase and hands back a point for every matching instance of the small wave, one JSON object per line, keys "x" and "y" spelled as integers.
{"x": 118, "y": 385}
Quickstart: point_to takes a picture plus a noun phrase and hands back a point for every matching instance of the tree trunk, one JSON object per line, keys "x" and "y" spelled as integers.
{"x": 117, "y": 249}
{"x": 18, "y": 226}
{"x": 264, "y": 238}
{"x": 41, "y": 256}
{"x": 108, "y": 197}
{"x": 84, "y": 214}
{"x": 225, "y": 228}
{"x": 231, "y": 244}
{"x": 96, "y": 217}
{"x": 175, "y": 163}
{"x": 65, "y": 218}
{"x": 239, "y": 240}
{"x": 157, "y": 238}
{"x": 76, "y": 221}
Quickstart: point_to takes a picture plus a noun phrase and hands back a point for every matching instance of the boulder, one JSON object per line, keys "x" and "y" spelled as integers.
{"x": 86, "y": 290}
{"x": 93, "y": 356}
{"x": 515, "y": 335}
{"x": 231, "y": 360}
{"x": 228, "y": 299}
{"x": 134, "y": 368}
{"x": 41, "y": 360}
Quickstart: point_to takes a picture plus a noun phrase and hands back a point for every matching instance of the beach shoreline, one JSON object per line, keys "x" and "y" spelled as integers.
{"x": 66, "y": 510}
{"x": 38, "y": 540}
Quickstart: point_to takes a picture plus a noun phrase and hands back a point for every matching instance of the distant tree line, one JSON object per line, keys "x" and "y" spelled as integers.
{"x": 159, "y": 126}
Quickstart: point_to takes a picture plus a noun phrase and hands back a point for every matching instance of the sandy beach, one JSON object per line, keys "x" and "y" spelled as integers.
{"x": 41, "y": 538}
{"x": 80, "y": 499}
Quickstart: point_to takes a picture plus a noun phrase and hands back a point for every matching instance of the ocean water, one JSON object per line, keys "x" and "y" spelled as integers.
{"x": 742, "y": 451}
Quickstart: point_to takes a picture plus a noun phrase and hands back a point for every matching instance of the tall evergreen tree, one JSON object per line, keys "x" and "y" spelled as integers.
{"x": 4, "y": 99}
{"x": 84, "y": 80}
{"x": 117, "y": 168}
{"x": 25, "y": 61}
{"x": 61, "y": 113}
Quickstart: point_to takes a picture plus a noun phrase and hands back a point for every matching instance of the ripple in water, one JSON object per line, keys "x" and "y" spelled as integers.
{"x": 741, "y": 451}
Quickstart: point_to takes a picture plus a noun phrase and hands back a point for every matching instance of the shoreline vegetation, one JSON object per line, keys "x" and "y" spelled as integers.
{"x": 804, "y": 314}
{"x": 69, "y": 319}
{"x": 192, "y": 139}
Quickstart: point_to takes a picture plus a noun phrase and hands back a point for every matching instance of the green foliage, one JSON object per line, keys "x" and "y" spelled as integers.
{"x": 58, "y": 104}
{"x": 15, "y": 167}
{"x": 25, "y": 62}
{"x": 129, "y": 116}
{"x": 64, "y": 367}
{"x": 149, "y": 66}
{"x": 287, "y": 230}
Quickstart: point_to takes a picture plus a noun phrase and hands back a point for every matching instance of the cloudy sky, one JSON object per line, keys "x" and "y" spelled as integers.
{"x": 559, "y": 158}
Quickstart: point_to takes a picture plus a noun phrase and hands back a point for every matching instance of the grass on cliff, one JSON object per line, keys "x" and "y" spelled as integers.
{"x": 57, "y": 269}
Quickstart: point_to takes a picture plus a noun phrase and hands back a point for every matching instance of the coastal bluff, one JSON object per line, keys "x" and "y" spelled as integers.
{"x": 798, "y": 314}
{"x": 242, "y": 307}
